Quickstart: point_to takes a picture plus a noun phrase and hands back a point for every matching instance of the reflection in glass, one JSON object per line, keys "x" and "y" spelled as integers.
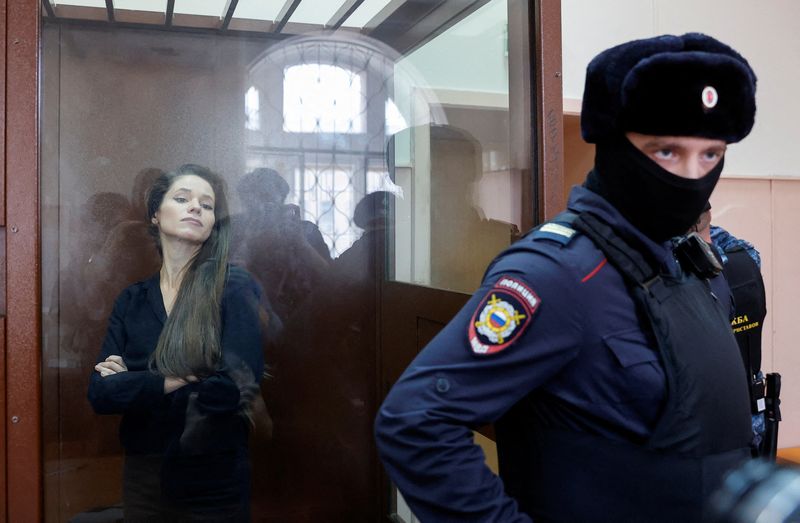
{"x": 337, "y": 120}
{"x": 462, "y": 203}
{"x": 321, "y": 98}
{"x": 348, "y": 165}
{"x": 394, "y": 119}
{"x": 251, "y": 111}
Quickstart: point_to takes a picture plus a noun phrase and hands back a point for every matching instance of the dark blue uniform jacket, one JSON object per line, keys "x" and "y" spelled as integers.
{"x": 583, "y": 346}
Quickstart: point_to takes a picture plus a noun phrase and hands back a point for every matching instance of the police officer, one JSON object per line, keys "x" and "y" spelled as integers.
{"x": 609, "y": 369}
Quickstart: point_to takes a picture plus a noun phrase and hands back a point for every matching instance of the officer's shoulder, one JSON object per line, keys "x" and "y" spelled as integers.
{"x": 558, "y": 238}
{"x": 558, "y": 231}
{"x": 555, "y": 245}
{"x": 731, "y": 245}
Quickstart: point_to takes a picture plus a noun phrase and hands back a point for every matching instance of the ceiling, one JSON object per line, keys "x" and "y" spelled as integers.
{"x": 402, "y": 24}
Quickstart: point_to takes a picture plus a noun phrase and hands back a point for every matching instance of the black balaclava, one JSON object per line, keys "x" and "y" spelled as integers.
{"x": 658, "y": 203}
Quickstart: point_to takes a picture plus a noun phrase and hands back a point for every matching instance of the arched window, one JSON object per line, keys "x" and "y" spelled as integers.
{"x": 328, "y": 107}
{"x": 321, "y": 98}
{"x": 252, "y": 110}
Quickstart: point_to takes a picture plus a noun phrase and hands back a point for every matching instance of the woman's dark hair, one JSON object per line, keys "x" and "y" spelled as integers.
{"x": 190, "y": 341}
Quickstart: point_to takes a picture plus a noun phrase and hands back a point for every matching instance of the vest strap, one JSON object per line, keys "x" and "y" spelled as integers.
{"x": 633, "y": 266}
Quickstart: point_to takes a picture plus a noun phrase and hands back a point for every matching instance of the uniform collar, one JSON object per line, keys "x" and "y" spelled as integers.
{"x": 582, "y": 199}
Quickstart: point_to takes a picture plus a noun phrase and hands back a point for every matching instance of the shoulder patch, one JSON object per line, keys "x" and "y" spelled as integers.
{"x": 554, "y": 231}
{"x": 502, "y": 316}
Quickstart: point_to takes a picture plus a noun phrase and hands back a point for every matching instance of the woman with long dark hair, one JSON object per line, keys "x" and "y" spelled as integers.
{"x": 182, "y": 361}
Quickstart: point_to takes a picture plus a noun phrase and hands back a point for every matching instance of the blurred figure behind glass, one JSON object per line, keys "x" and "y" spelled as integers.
{"x": 286, "y": 254}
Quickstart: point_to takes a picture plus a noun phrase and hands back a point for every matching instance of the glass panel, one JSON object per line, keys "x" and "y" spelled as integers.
{"x": 463, "y": 202}
{"x": 323, "y": 98}
{"x": 346, "y": 164}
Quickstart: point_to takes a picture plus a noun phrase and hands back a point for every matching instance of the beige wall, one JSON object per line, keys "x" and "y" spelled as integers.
{"x": 757, "y": 196}
{"x": 765, "y": 212}
{"x": 764, "y": 32}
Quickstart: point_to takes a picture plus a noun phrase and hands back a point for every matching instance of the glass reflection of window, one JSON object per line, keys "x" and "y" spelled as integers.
{"x": 329, "y": 201}
{"x": 379, "y": 180}
{"x": 394, "y": 119}
{"x": 251, "y": 110}
{"x": 320, "y": 98}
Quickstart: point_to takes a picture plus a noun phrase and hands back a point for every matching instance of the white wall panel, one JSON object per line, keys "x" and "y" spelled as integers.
{"x": 764, "y": 32}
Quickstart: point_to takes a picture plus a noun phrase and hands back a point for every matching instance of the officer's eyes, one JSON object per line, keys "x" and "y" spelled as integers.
{"x": 664, "y": 154}
{"x": 711, "y": 156}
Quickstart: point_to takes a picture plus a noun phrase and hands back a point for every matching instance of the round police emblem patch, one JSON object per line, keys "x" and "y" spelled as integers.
{"x": 502, "y": 316}
{"x": 710, "y": 97}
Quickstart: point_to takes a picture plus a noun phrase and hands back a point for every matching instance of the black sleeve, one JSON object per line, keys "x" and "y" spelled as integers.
{"x": 115, "y": 394}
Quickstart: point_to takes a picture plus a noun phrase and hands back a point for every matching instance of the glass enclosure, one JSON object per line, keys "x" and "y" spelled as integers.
{"x": 361, "y": 143}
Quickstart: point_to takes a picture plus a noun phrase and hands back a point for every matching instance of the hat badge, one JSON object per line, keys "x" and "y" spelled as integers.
{"x": 710, "y": 97}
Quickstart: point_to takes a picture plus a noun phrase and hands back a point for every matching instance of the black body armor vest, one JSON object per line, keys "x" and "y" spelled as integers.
{"x": 703, "y": 431}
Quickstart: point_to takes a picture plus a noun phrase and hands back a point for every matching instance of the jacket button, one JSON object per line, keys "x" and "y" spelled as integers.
{"x": 442, "y": 385}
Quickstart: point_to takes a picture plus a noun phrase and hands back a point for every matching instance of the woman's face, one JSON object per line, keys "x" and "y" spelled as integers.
{"x": 187, "y": 211}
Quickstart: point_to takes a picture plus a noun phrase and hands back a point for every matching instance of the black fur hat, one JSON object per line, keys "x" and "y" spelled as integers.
{"x": 690, "y": 85}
